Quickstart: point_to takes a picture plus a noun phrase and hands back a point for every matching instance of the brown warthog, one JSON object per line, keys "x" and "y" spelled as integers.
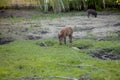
{"x": 64, "y": 32}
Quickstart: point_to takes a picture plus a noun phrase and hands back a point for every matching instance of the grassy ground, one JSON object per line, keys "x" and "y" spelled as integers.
{"x": 27, "y": 59}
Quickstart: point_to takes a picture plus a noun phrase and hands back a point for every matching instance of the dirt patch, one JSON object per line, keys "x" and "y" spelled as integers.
{"x": 105, "y": 54}
{"x": 28, "y": 24}
{"x": 18, "y": 13}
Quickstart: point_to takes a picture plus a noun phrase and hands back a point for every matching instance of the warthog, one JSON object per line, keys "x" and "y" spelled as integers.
{"x": 91, "y": 12}
{"x": 64, "y": 32}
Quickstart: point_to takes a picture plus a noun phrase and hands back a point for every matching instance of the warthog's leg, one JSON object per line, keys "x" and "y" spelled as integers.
{"x": 70, "y": 38}
{"x": 64, "y": 40}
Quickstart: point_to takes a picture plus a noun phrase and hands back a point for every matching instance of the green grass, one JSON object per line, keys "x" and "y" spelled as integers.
{"x": 26, "y": 59}
{"x": 43, "y": 16}
{"x": 58, "y": 15}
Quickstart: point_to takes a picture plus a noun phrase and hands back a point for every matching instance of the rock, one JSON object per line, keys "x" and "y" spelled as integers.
{"x": 85, "y": 77}
{"x": 73, "y": 79}
{"x": 75, "y": 48}
{"x": 42, "y": 44}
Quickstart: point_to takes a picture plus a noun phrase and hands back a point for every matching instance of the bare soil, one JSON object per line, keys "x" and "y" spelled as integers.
{"x": 106, "y": 25}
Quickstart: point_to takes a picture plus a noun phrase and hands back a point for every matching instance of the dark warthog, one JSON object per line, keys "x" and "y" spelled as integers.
{"x": 64, "y": 32}
{"x": 92, "y": 12}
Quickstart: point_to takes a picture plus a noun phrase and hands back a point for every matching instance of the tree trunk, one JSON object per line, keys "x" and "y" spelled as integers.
{"x": 104, "y": 4}
{"x": 84, "y": 5}
{"x": 46, "y": 6}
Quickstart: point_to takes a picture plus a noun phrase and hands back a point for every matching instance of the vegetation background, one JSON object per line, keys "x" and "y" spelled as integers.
{"x": 60, "y": 5}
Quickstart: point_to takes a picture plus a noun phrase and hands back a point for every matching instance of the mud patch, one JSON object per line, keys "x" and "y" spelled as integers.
{"x": 6, "y": 40}
{"x": 117, "y": 24}
{"x": 83, "y": 47}
{"x": 105, "y": 54}
{"x": 32, "y": 36}
{"x": 32, "y": 25}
